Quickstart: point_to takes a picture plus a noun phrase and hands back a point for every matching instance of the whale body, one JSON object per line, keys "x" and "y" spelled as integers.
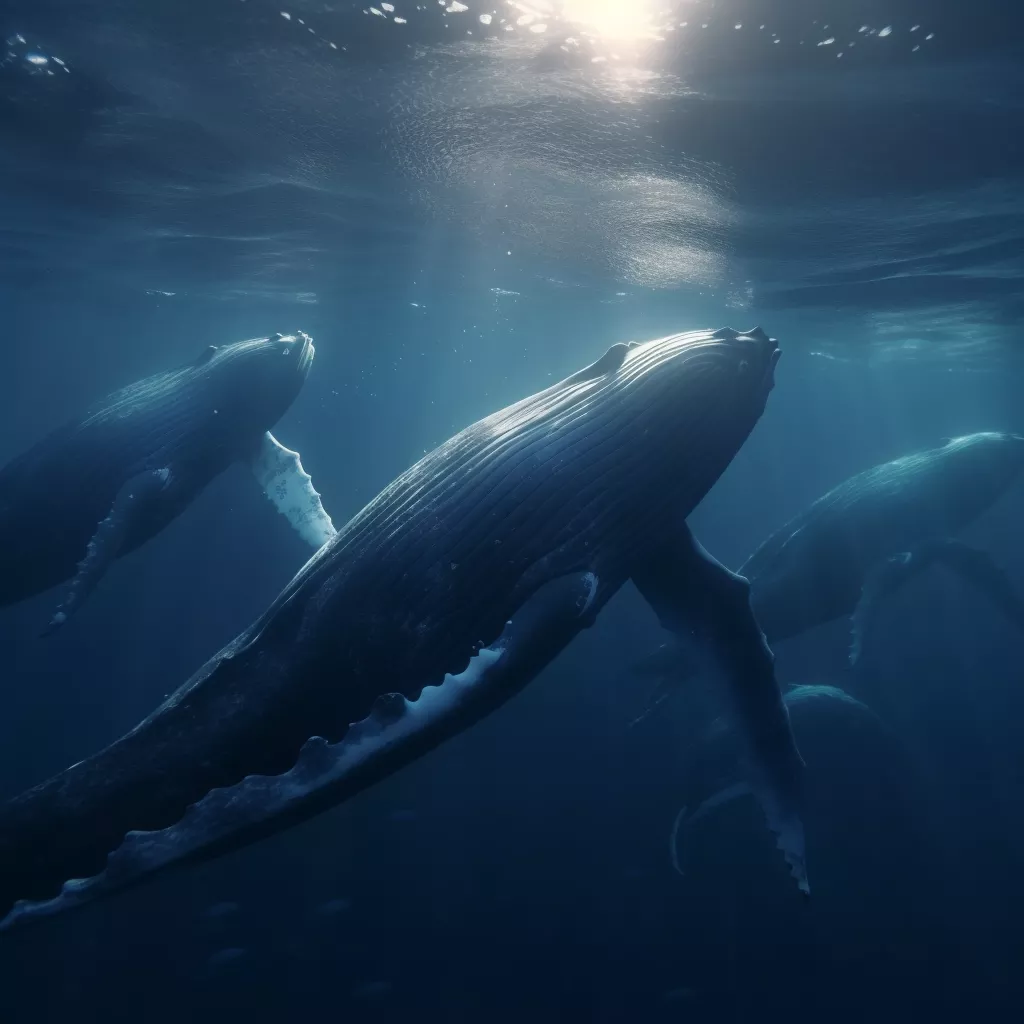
{"x": 866, "y": 538}
{"x": 108, "y": 481}
{"x": 876, "y": 530}
{"x": 434, "y": 605}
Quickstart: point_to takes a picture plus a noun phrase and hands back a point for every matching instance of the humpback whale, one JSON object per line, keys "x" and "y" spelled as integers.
{"x": 108, "y": 481}
{"x": 431, "y": 607}
{"x": 867, "y": 537}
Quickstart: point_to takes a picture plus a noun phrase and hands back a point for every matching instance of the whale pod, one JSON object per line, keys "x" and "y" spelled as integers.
{"x": 435, "y": 604}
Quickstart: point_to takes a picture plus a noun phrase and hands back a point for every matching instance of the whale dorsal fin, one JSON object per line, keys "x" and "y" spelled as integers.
{"x": 608, "y": 363}
{"x": 205, "y": 356}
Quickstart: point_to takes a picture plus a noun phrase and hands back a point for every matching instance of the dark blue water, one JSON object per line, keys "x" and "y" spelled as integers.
{"x": 460, "y": 215}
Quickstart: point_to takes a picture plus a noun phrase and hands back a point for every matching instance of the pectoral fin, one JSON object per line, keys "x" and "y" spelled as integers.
{"x": 970, "y": 563}
{"x": 881, "y": 581}
{"x": 290, "y": 488}
{"x": 977, "y": 567}
{"x": 61, "y": 831}
{"x": 134, "y": 499}
{"x": 696, "y": 596}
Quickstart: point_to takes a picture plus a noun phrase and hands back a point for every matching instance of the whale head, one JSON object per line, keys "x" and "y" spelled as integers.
{"x": 254, "y": 382}
{"x": 986, "y": 463}
{"x": 688, "y": 402}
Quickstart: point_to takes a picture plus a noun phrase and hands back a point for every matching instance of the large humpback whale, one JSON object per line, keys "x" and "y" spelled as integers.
{"x": 108, "y": 481}
{"x": 864, "y": 539}
{"x": 436, "y": 603}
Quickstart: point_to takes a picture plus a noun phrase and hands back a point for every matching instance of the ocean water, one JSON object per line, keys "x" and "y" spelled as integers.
{"x": 462, "y": 203}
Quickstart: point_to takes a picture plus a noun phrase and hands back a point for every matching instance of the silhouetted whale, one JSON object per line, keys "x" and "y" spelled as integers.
{"x": 826, "y": 717}
{"x": 867, "y": 537}
{"x": 105, "y": 483}
{"x": 441, "y": 599}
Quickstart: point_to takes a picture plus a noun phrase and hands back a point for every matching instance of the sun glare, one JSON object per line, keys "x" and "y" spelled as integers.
{"x": 622, "y": 21}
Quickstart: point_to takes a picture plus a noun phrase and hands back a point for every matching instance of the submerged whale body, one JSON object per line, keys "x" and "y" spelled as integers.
{"x": 871, "y": 534}
{"x": 866, "y": 538}
{"x": 105, "y": 483}
{"x": 441, "y": 599}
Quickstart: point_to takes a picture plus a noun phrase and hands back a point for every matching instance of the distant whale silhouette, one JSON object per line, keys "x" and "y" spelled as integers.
{"x": 434, "y": 605}
{"x": 866, "y": 538}
{"x": 107, "y": 482}
{"x": 824, "y": 716}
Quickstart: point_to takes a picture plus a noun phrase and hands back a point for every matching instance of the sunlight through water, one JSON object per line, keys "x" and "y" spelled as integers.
{"x": 621, "y": 21}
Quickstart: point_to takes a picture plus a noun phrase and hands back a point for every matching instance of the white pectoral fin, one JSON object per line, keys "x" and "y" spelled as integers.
{"x": 290, "y": 489}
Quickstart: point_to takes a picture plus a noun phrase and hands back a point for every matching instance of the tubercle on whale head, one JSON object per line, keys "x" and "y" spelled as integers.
{"x": 297, "y": 347}
{"x": 761, "y": 357}
{"x": 756, "y": 355}
{"x": 255, "y": 381}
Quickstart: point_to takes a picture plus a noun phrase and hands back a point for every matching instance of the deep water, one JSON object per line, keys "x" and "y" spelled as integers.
{"x": 460, "y": 220}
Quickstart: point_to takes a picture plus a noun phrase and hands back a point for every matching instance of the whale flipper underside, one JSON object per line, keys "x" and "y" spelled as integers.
{"x": 694, "y": 595}
{"x": 396, "y": 731}
{"x": 971, "y": 564}
{"x": 290, "y": 489}
{"x": 135, "y": 500}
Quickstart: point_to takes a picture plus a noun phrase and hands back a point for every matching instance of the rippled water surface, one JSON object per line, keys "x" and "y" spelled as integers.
{"x": 860, "y": 162}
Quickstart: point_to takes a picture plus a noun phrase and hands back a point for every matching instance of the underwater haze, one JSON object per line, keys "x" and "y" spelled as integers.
{"x": 462, "y": 203}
